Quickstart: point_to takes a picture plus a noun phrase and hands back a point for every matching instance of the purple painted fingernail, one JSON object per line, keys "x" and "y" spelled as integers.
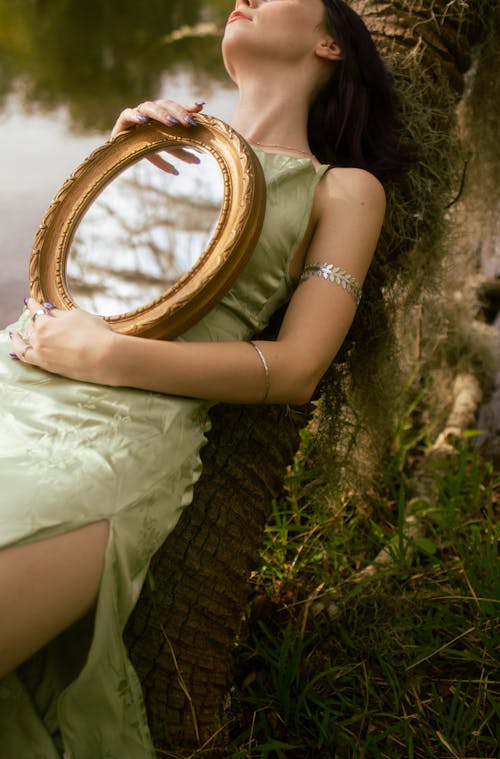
{"x": 13, "y": 357}
{"x": 48, "y": 306}
{"x": 11, "y": 335}
{"x": 173, "y": 120}
{"x": 142, "y": 118}
{"x": 175, "y": 172}
{"x": 190, "y": 120}
{"x": 199, "y": 102}
{"x": 25, "y": 301}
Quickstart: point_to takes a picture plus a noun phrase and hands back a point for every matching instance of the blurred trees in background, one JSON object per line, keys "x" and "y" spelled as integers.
{"x": 96, "y": 56}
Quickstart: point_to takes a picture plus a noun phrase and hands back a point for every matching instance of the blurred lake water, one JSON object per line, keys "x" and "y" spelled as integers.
{"x": 66, "y": 71}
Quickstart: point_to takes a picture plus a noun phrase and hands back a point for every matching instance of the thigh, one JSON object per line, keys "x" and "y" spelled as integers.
{"x": 45, "y": 586}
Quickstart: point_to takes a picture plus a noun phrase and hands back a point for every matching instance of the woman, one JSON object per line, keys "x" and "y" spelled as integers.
{"x": 315, "y": 103}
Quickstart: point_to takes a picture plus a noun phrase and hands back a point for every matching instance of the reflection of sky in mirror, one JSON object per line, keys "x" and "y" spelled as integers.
{"x": 146, "y": 229}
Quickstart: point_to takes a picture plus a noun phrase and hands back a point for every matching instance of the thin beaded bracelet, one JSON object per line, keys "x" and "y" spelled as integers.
{"x": 266, "y": 370}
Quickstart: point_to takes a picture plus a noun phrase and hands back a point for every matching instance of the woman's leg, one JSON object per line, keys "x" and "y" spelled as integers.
{"x": 45, "y": 586}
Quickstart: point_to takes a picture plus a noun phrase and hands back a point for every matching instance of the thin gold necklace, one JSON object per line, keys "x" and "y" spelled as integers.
{"x": 283, "y": 147}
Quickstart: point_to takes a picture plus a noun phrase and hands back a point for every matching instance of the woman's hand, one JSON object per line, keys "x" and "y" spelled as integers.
{"x": 166, "y": 112}
{"x": 72, "y": 343}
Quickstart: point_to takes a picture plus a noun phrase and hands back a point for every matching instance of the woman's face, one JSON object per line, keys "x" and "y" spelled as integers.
{"x": 277, "y": 30}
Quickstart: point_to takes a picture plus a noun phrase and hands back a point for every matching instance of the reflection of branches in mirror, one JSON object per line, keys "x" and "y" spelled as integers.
{"x": 146, "y": 229}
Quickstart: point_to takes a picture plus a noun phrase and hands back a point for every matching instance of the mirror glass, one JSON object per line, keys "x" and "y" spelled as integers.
{"x": 145, "y": 230}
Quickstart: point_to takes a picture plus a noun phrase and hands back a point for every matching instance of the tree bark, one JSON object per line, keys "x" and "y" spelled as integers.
{"x": 181, "y": 635}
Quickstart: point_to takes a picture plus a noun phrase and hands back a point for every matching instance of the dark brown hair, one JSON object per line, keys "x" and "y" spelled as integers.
{"x": 353, "y": 120}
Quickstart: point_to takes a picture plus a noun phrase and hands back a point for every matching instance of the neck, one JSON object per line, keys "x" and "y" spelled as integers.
{"x": 277, "y": 120}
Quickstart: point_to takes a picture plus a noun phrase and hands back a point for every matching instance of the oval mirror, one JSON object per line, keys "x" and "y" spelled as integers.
{"x": 153, "y": 228}
{"x": 145, "y": 230}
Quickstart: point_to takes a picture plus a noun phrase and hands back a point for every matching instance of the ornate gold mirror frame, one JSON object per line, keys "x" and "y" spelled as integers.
{"x": 231, "y": 244}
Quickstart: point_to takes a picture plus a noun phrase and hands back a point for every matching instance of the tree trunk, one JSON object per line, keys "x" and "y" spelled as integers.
{"x": 182, "y": 634}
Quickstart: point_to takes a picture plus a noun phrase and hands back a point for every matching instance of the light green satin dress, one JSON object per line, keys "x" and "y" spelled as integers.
{"x": 72, "y": 453}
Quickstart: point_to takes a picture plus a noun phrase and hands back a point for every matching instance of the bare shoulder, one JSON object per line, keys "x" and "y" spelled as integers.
{"x": 349, "y": 212}
{"x": 354, "y": 189}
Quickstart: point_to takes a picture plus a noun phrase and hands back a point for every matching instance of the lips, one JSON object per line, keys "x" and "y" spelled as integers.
{"x": 236, "y": 15}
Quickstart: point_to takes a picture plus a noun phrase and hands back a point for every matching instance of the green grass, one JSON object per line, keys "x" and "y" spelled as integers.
{"x": 399, "y": 662}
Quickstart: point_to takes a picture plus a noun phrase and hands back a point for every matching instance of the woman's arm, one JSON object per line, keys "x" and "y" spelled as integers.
{"x": 348, "y": 209}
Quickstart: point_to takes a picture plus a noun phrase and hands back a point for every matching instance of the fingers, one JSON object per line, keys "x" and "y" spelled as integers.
{"x": 23, "y": 347}
{"x": 183, "y": 155}
{"x": 160, "y": 163}
{"x": 37, "y": 309}
{"x": 126, "y": 120}
{"x": 167, "y": 112}
{"x": 69, "y": 342}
